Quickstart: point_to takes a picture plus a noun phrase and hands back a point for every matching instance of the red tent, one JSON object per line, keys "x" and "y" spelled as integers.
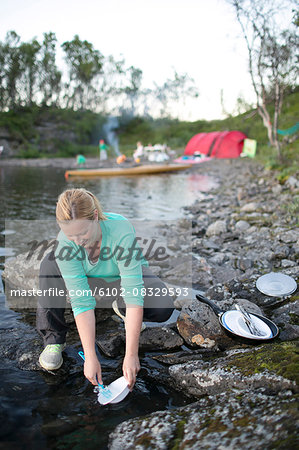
{"x": 218, "y": 144}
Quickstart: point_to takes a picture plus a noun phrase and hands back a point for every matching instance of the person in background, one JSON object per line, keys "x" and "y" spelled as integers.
{"x": 80, "y": 160}
{"x": 103, "y": 150}
{"x": 121, "y": 159}
{"x": 138, "y": 152}
{"x": 96, "y": 250}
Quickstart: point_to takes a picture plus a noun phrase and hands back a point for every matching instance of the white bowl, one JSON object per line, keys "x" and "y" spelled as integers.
{"x": 114, "y": 392}
{"x": 276, "y": 284}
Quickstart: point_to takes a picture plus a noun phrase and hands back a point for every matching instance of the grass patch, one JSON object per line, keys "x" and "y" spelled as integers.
{"x": 292, "y": 209}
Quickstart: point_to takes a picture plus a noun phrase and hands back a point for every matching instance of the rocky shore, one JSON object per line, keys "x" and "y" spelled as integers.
{"x": 243, "y": 395}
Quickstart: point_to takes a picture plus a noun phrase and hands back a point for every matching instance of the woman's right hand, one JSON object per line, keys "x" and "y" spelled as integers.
{"x": 92, "y": 370}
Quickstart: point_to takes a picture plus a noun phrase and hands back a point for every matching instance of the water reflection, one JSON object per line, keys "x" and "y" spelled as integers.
{"x": 148, "y": 197}
{"x": 31, "y": 193}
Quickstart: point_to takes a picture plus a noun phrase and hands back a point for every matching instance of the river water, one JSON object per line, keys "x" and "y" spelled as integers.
{"x": 40, "y": 410}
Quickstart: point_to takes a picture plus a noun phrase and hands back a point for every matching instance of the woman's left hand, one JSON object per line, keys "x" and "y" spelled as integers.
{"x": 131, "y": 367}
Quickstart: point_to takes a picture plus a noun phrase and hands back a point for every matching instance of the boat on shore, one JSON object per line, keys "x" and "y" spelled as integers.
{"x": 120, "y": 171}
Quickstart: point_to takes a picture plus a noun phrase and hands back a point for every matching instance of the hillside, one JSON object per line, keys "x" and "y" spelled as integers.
{"x": 49, "y": 132}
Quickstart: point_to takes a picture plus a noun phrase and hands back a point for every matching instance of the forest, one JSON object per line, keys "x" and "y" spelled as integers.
{"x": 85, "y": 79}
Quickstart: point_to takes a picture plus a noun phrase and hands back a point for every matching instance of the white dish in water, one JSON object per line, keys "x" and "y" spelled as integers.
{"x": 114, "y": 392}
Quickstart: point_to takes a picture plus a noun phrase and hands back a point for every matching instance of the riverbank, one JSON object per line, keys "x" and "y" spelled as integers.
{"x": 242, "y": 395}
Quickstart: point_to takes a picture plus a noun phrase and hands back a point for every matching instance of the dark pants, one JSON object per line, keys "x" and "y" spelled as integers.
{"x": 50, "y": 319}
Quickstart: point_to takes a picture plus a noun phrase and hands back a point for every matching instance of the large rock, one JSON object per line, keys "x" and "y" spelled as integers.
{"x": 111, "y": 339}
{"x": 160, "y": 338}
{"x": 287, "y": 319}
{"x": 199, "y": 325}
{"x": 205, "y": 336}
{"x": 247, "y": 420}
{"x": 20, "y": 272}
{"x": 267, "y": 366}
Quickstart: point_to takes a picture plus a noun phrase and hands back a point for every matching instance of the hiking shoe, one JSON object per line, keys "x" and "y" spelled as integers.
{"x": 51, "y": 357}
{"x": 120, "y": 314}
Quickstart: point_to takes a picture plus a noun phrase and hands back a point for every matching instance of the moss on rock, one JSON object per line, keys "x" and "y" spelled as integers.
{"x": 294, "y": 319}
{"x": 281, "y": 359}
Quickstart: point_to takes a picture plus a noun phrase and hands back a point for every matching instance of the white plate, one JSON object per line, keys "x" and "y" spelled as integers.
{"x": 276, "y": 284}
{"x": 114, "y": 392}
{"x": 233, "y": 320}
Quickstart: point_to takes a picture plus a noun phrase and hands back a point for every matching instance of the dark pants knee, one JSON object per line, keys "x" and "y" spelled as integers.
{"x": 50, "y": 321}
{"x": 158, "y": 304}
{"x": 157, "y": 315}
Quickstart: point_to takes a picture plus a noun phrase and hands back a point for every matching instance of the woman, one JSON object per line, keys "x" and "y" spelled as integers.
{"x": 95, "y": 251}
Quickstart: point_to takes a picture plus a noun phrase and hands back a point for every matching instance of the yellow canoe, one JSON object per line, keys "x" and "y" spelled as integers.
{"x": 119, "y": 171}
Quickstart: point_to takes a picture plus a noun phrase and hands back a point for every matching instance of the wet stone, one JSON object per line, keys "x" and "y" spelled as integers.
{"x": 160, "y": 338}
{"x": 111, "y": 342}
{"x": 184, "y": 356}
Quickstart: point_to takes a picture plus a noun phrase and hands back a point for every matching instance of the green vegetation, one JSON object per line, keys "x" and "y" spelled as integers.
{"x": 29, "y": 76}
{"x": 281, "y": 359}
{"x": 51, "y": 111}
{"x": 53, "y": 132}
{"x": 292, "y": 209}
{"x": 179, "y": 432}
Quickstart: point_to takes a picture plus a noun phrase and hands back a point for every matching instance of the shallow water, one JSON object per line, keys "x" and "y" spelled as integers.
{"x": 39, "y": 410}
{"x": 31, "y": 193}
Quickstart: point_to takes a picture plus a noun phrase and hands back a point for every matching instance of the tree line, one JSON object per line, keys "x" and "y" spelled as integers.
{"x": 29, "y": 75}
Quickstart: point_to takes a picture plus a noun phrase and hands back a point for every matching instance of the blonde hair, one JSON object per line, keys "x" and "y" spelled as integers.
{"x": 78, "y": 203}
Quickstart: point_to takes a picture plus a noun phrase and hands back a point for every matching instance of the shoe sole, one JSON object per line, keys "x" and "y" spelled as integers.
{"x": 44, "y": 366}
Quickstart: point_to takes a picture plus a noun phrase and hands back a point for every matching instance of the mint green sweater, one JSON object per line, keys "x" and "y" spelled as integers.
{"x": 116, "y": 261}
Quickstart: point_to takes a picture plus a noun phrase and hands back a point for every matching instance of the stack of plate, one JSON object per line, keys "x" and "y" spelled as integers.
{"x": 276, "y": 284}
{"x": 234, "y": 321}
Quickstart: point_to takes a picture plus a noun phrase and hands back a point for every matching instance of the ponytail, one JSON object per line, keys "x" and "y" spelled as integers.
{"x": 78, "y": 204}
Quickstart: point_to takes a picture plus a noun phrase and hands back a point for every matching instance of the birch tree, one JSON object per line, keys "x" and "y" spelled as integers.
{"x": 272, "y": 55}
